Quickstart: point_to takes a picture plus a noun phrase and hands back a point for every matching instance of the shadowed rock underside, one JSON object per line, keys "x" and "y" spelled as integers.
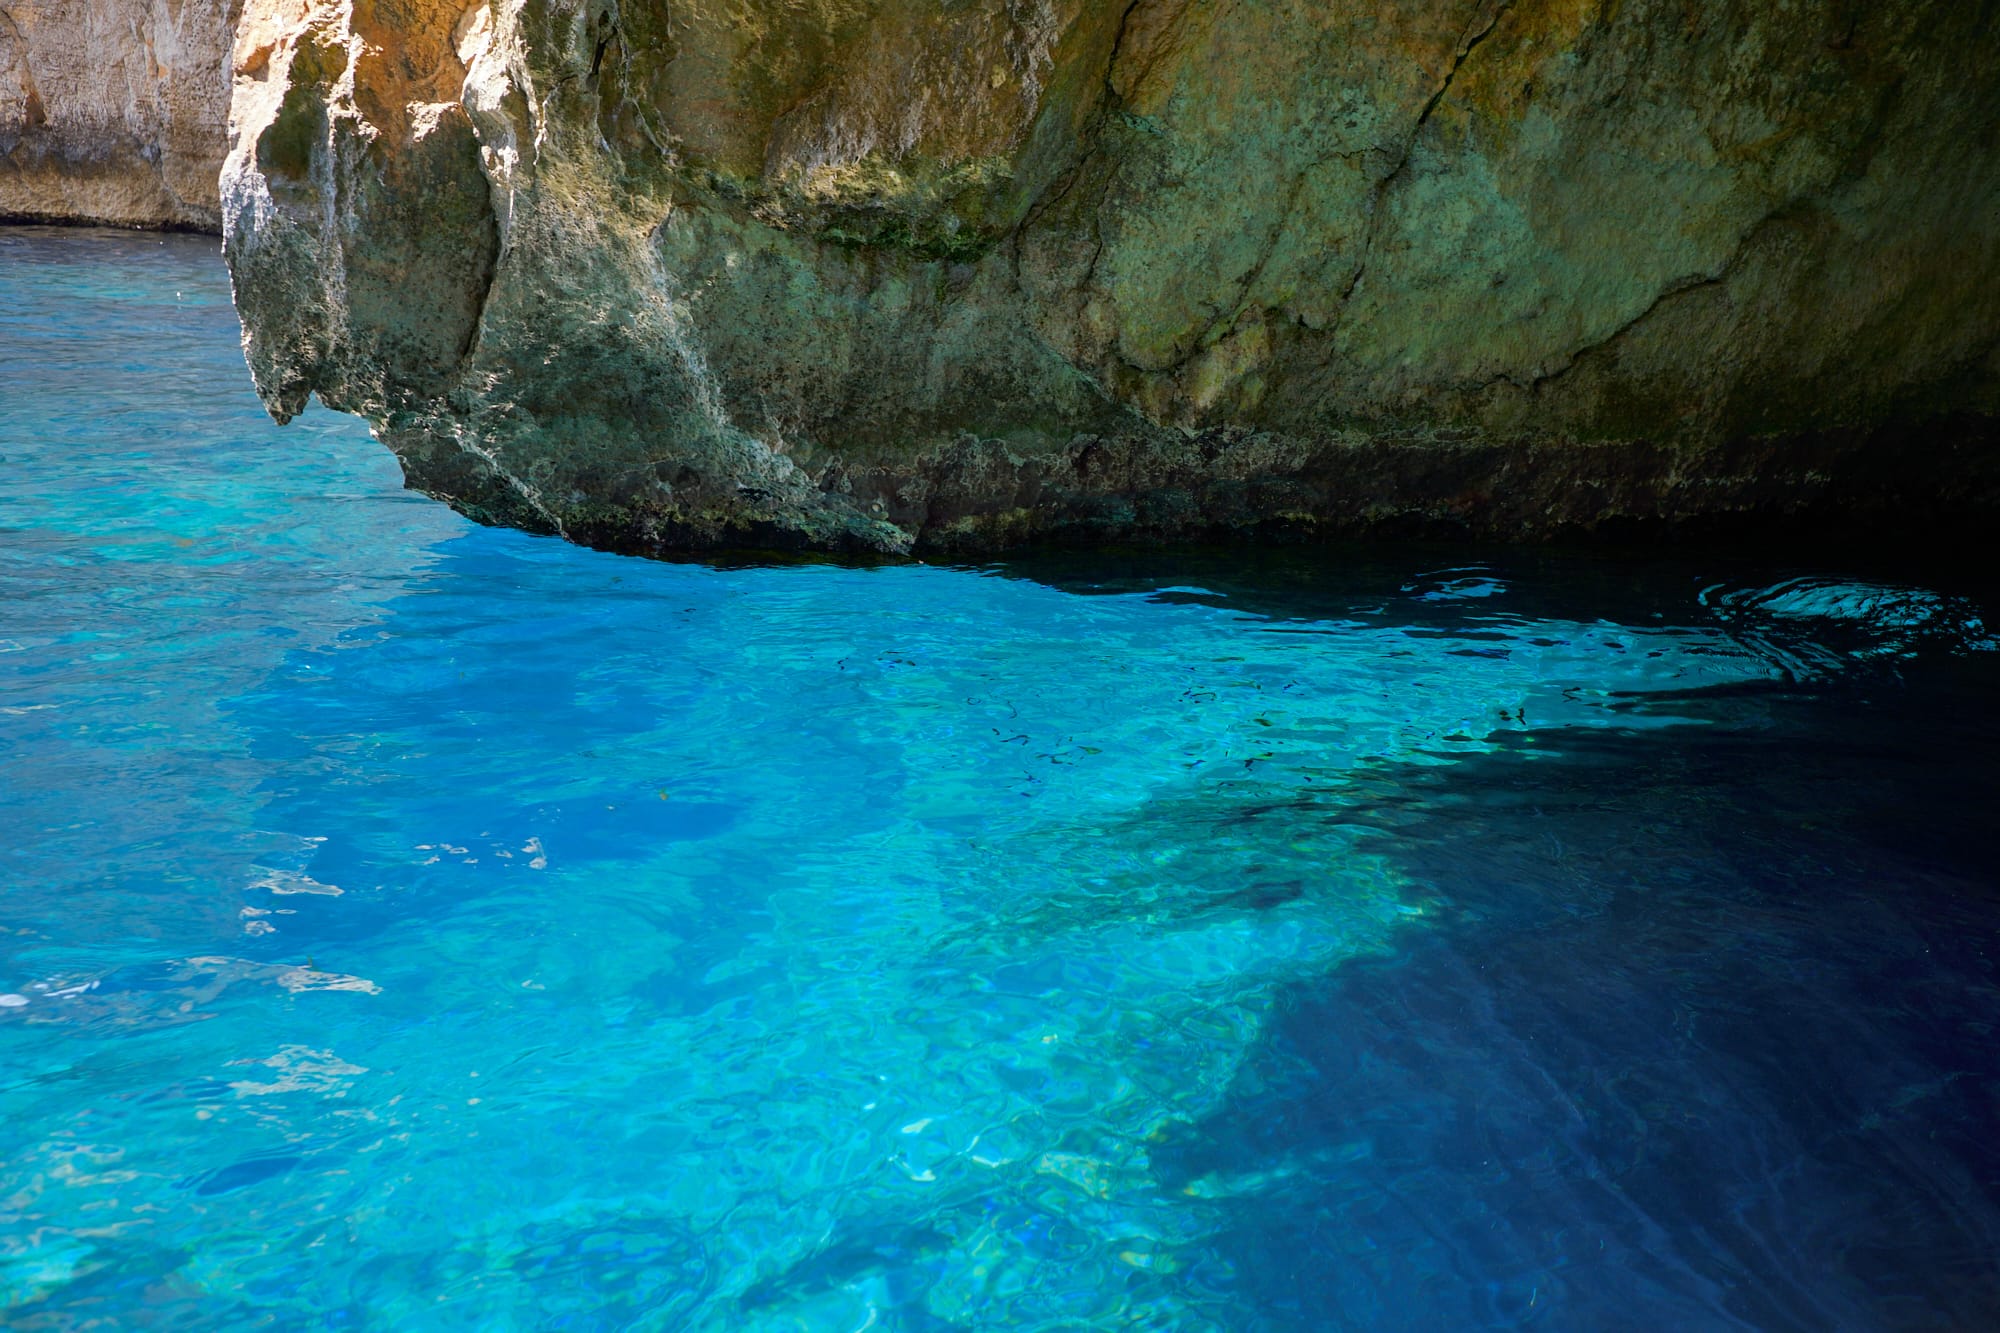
{"x": 889, "y": 275}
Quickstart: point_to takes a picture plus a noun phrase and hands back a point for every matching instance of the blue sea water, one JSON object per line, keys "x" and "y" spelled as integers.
{"x": 409, "y": 925}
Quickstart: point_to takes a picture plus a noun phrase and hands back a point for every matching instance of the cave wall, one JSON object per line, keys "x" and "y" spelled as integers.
{"x": 891, "y": 275}
{"x": 114, "y": 111}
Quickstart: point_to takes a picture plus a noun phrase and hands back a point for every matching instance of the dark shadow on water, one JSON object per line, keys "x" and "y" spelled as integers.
{"x": 1701, "y": 1034}
{"x": 1631, "y": 584}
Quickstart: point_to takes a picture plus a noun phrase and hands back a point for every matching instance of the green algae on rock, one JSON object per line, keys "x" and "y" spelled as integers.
{"x": 880, "y": 275}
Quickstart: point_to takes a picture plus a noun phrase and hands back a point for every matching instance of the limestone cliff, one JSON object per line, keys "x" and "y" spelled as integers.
{"x": 114, "y": 110}
{"x": 895, "y": 274}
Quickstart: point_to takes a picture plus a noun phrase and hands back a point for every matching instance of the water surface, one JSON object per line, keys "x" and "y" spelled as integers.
{"x": 413, "y": 925}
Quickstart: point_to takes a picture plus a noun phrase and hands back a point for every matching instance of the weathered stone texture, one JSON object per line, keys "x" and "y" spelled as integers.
{"x": 889, "y": 274}
{"x": 114, "y": 111}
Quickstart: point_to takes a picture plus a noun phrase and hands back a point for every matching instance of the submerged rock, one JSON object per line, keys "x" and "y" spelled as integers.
{"x": 884, "y": 275}
{"x": 114, "y": 110}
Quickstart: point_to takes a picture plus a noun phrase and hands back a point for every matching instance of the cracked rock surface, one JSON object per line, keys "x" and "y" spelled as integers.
{"x": 114, "y": 111}
{"x": 889, "y": 275}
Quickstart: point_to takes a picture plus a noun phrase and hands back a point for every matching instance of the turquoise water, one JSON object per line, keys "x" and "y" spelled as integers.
{"x": 412, "y": 925}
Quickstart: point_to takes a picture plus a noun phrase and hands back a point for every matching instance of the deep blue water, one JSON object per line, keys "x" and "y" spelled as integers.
{"x": 407, "y": 925}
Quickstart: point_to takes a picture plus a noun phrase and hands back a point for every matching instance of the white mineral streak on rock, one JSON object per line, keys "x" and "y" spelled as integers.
{"x": 497, "y": 106}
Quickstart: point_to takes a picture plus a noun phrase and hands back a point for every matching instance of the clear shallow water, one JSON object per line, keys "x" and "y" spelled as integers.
{"x": 410, "y": 925}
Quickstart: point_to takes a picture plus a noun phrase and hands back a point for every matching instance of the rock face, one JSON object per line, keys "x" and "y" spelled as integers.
{"x": 893, "y": 275}
{"x": 114, "y": 110}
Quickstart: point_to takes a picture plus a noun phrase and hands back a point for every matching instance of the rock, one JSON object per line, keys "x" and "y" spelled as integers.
{"x": 114, "y": 111}
{"x": 876, "y": 275}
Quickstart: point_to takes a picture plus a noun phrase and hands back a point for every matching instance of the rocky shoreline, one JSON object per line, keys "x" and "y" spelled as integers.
{"x": 878, "y": 278}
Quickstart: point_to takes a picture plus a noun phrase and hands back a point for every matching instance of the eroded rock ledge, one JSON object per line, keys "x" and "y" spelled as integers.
{"x": 114, "y": 111}
{"x": 890, "y": 275}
